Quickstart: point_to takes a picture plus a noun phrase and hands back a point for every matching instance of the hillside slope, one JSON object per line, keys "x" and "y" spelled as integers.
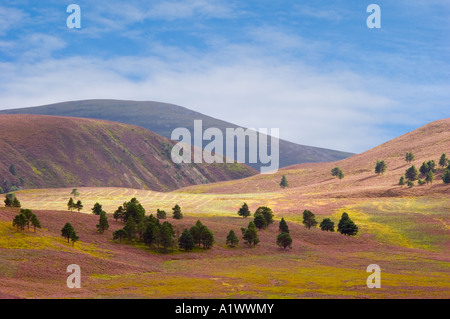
{"x": 426, "y": 143}
{"x": 49, "y": 151}
{"x": 163, "y": 118}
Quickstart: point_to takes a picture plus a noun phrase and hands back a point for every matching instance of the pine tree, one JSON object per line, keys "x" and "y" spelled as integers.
{"x": 35, "y": 222}
{"x": 309, "y": 219}
{"x": 186, "y": 241}
{"x": 340, "y": 175}
{"x": 9, "y": 200}
{"x": 74, "y": 237}
{"x": 102, "y": 223}
{"x": 412, "y": 174}
{"x": 446, "y": 176}
{"x": 70, "y": 204}
{"x": 267, "y": 213}
{"x": 79, "y": 206}
{"x": 260, "y": 221}
{"x": 250, "y": 235}
{"x": 284, "y": 183}
{"x": 20, "y": 221}
{"x": 380, "y": 167}
{"x": 409, "y": 157}
{"x": 232, "y": 239}
{"x": 327, "y": 225}
{"x": 244, "y": 211}
{"x": 119, "y": 213}
{"x": 28, "y": 214}
{"x": 97, "y": 209}
{"x": 177, "y": 212}
{"x": 443, "y": 161}
{"x": 429, "y": 178}
{"x": 161, "y": 214}
{"x": 283, "y": 227}
{"x": 16, "y": 202}
{"x": 166, "y": 234}
{"x": 119, "y": 234}
{"x": 401, "y": 182}
{"x": 284, "y": 240}
{"x": 131, "y": 229}
{"x": 67, "y": 231}
{"x": 346, "y": 226}
{"x": 196, "y": 232}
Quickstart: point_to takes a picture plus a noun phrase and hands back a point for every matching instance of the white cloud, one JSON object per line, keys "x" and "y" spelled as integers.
{"x": 335, "y": 110}
{"x": 10, "y": 18}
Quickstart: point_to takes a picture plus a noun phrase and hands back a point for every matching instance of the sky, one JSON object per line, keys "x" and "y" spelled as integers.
{"x": 311, "y": 68}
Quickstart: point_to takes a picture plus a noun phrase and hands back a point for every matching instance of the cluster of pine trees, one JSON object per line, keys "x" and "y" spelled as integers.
{"x": 426, "y": 171}
{"x": 26, "y": 217}
{"x": 11, "y": 200}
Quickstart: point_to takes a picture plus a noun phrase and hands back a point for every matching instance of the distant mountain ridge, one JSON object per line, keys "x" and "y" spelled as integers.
{"x": 163, "y": 118}
{"x": 40, "y": 151}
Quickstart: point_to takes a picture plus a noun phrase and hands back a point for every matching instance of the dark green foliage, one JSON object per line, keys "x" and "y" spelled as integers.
{"x": 380, "y": 167}
{"x": 412, "y": 174}
{"x": 443, "y": 161}
{"x": 161, "y": 214}
{"x": 97, "y": 209}
{"x": 283, "y": 227}
{"x": 446, "y": 176}
{"x": 133, "y": 209}
{"x": 186, "y": 241}
{"x": 232, "y": 239}
{"x": 401, "y": 182}
{"x": 260, "y": 221}
{"x": 16, "y": 202}
{"x": 177, "y": 214}
{"x": 429, "y": 178}
{"x": 409, "y": 157}
{"x": 131, "y": 229}
{"x": 267, "y": 213}
{"x": 151, "y": 234}
{"x": 284, "y": 240}
{"x": 78, "y": 206}
{"x": 119, "y": 213}
{"x": 202, "y": 235}
{"x": 244, "y": 211}
{"x": 309, "y": 219}
{"x": 250, "y": 235}
{"x": 35, "y": 222}
{"x": 346, "y": 226}
{"x": 421, "y": 182}
{"x": 337, "y": 172}
{"x": 74, "y": 237}
{"x": 75, "y": 192}
{"x": 70, "y": 204}
{"x": 1, "y": 190}
{"x": 20, "y": 221}
{"x": 410, "y": 184}
{"x": 11, "y": 200}
{"x": 427, "y": 167}
{"x": 284, "y": 183}
{"x": 166, "y": 235}
{"x": 8, "y": 200}
{"x": 102, "y": 223}
{"x": 327, "y": 225}
{"x": 196, "y": 232}
{"x": 28, "y": 214}
{"x": 119, "y": 234}
{"x": 12, "y": 170}
{"x": 67, "y": 231}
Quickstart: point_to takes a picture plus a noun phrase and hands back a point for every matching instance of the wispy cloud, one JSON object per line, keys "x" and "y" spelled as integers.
{"x": 10, "y": 18}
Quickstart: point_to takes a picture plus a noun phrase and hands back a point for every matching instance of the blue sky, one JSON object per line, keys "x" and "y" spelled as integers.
{"x": 311, "y": 68}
